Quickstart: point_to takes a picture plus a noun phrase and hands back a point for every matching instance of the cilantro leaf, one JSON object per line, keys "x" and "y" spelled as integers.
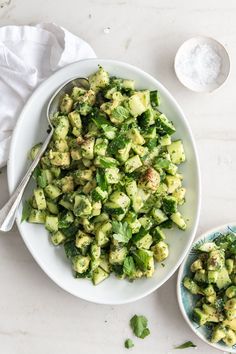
{"x": 26, "y": 211}
{"x": 185, "y": 345}
{"x": 139, "y": 326}
{"x": 129, "y": 343}
{"x": 142, "y": 258}
{"x": 101, "y": 180}
{"x": 129, "y": 266}
{"x": 122, "y": 231}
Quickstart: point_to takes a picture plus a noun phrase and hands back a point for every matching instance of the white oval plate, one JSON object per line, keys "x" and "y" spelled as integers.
{"x": 31, "y": 128}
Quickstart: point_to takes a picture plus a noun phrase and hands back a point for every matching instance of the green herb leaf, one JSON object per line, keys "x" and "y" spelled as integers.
{"x": 139, "y": 326}
{"x": 185, "y": 345}
{"x": 120, "y": 113}
{"x": 122, "y": 231}
{"x": 129, "y": 266}
{"x": 142, "y": 258}
{"x": 26, "y": 211}
{"x": 101, "y": 180}
{"x": 129, "y": 343}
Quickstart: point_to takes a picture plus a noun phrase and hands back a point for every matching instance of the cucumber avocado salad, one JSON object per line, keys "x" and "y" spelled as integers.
{"x": 108, "y": 183}
{"x": 213, "y": 279}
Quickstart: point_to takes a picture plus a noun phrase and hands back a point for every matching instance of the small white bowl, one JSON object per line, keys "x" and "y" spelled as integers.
{"x": 185, "y": 50}
{"x": 187, "y": 301}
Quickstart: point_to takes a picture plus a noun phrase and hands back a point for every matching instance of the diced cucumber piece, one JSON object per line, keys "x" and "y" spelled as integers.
{"x": 176, "y": 151}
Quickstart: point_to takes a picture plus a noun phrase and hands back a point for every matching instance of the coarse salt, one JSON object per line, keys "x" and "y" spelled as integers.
{"x": 201, "y": 65}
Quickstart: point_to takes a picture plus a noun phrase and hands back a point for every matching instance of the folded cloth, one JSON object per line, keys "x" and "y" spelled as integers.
{"x": 28, "y": 55}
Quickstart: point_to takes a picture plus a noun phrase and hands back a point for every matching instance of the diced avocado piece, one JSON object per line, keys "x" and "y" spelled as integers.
{"x": 87, "y": 148}
{"x": 62, "y": 128}
{"x": 80, "y": 263}
{"x": 132, "y": 164}
{"x": 150, "y": 180}
{"x": 160, "y": 251}
{"x": 58, "y": 238}
{"x": 200, "y": 276}
{"x": 169, "y": 205}
{"x": 99, "y": 79}
{"x": 51, "y": 223}
{"x": 83, "y": 240}
{"x": 40, "y": 198}
{"x": 223, "y": 279}
{"x": 37, "y": 216}
{"x": 230, "y": 338}
{"x": 209, "y": 290}
{"x": 192, "y": 286}
{"x": 229, "y": 264}
{"x": 150, "y": 268}
{"x": 199, "y": 316}
{"x": 76, "y": 154}
{"x": 112, "y": 175}
{"x": 34, "y": 151}
{"x": 59, "y": 158}
{"x": 120, "y": 199}
{"x": 212, "y": 276}
{"x": 128, "y": 84}
{"x": 173, "y": 183}
{"x": 99, "y": 275}
{"x": 136, "y": 105}
{"x": 140, "y": 150}
{"x": 119, "y": 114}
{"x": 179, "y": 195}
{"x": 82, "y": 206}
{"x": 102, "y": 233}
{"x": 135, "y": 135}
{"x": 218, "y": 334}
{"x": 144, "y": 241}
{"x": 132, "y": 191}
{"x": 100, "y": 147}
{"x": 176, "y": 151}
{"x": 216, "y": 260}
{"x": 178, "y": 220}
{"x": 196, "y": 265}
{"x": 66, "y": 104}
{"x": 231, "y": 291}
{"x": 165, "y": 140}
{"x": 52, "y": 207}
{"x": 117, "y": 255}
{"x": 95, "y": 250}
{"x": 75, "y": 120}
{"x": 213, "y": 314}
{"x": 230, "y": 323}
{"x": 207, "y": 247}
{"x": 96, "y": 208}
{"x": 159, "y": 215}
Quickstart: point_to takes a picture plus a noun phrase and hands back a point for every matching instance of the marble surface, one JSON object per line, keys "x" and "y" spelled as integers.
{"x": 35, "y": 315}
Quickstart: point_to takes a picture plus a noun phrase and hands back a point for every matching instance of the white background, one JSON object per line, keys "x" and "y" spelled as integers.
{"x": 35, "y": 315}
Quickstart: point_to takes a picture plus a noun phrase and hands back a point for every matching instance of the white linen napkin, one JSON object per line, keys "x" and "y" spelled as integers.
{"x": 28, "y": 55}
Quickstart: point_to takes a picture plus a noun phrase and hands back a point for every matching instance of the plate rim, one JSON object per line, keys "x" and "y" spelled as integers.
{"x": 179, "y": 281}
{"x": 12, "y": 184}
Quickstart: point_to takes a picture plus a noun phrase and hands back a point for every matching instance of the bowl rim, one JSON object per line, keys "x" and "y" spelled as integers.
{"x": 199, "y": 37}
{"x": 178, "y": 288}
{"x": 12, "y": 183}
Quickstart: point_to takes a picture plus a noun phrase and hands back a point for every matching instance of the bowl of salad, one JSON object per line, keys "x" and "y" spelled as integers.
{"x": 206, "y": 288}
{"x": 113, "y": 205}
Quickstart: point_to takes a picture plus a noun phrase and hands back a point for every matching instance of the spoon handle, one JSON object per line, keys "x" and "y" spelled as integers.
{"x": 8, "y": 211}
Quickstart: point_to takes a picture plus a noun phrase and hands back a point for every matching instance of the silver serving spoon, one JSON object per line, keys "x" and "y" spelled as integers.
{"x": 7, "y": 213}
